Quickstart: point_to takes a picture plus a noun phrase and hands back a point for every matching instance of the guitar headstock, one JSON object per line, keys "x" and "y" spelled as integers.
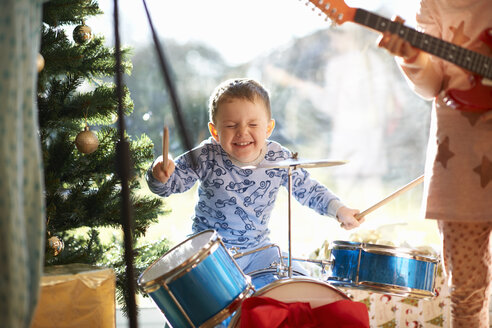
{"x": 336, "y": 10}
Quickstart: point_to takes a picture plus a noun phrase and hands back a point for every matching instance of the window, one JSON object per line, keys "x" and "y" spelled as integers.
{"x": 334, "y": 94}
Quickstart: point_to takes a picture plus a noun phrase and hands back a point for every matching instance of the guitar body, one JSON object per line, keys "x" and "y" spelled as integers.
{"x": 476, "y": 99}
{"x": 479, "y": 97}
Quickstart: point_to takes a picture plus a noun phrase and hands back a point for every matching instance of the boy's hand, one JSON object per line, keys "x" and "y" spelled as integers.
{"x": 160, "y": 172}
{"x": 347, "y": 218}
{"x": 164, "y": 165}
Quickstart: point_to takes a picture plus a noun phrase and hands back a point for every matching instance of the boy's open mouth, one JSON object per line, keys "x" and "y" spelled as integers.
{"x": 242, "y": 144}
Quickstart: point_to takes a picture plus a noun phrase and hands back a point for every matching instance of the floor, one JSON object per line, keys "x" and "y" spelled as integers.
{"x": 149, "y": 317}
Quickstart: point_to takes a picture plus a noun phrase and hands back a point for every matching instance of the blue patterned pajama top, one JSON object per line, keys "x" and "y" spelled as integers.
{"x": 235, "y": 201}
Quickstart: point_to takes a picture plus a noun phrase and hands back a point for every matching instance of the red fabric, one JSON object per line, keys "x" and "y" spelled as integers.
{"x": 266, "y": 312}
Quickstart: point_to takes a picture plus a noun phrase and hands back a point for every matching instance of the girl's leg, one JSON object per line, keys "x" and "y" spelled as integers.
{"x": 467, "y": 261}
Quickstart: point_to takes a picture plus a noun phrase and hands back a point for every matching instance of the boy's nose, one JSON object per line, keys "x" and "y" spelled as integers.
{"x": 241, "y": 130}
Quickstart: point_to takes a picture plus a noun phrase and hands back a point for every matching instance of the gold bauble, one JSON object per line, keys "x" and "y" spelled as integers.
{"x": 82, "y": 34}
{"x": 40, "y": 62}
{"x": 86, "y": 141}
{"x": 56, "y": 245}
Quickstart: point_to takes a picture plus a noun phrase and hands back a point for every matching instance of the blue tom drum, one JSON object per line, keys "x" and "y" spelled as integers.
{"x": 197, "y": 283}
{"x": 381, "y": 268}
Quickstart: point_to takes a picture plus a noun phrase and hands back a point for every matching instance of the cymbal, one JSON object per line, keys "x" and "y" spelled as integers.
{"x": 301, "y": 163}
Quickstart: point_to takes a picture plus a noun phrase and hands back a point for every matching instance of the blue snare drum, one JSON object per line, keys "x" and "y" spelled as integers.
{"x": 197, "y": 283}
{"x": 380, "y": 268}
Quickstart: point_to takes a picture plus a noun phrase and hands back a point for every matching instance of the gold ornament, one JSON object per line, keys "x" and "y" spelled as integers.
{"x": 40, "y": 62}
{"x": 86, "y": 141}
{"x": 82, "y": 34}
{"x": 56, "y": 245}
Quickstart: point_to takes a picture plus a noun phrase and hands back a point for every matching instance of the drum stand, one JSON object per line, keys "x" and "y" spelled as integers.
{"x": 238, "y": 255}
{"x": 293, "y": 164}
{"x": 322, "y": 263}
{"x": 289, "y": 216}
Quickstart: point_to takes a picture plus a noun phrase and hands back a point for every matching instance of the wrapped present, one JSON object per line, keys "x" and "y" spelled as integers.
{"x": 397, "y": 311}
{"x": 76, "y": 295}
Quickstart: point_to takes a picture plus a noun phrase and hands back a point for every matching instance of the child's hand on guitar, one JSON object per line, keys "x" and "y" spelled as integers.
{"x": 398, "y": 46}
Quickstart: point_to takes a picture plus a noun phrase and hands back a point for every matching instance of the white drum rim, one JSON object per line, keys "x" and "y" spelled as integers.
{"x": 280, "y": 282}
{"x": 394, "y": 290}
{"x": 197, "y": 257}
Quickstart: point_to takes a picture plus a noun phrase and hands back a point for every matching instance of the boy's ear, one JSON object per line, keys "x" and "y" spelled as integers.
{"x": 270, "y": 127}
{"x": 213, "y": 131}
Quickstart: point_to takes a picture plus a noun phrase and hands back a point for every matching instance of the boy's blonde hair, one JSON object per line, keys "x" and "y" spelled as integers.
{"x": 240, "y": 88}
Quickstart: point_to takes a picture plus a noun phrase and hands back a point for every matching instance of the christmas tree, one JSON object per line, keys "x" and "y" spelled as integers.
{"x": 78, "y": 109}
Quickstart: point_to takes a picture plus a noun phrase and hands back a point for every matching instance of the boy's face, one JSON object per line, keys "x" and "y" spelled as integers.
{"x": 241, "y": 128}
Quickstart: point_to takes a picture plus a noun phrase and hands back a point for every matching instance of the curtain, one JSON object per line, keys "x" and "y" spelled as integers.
{"x": 22, "y": 215}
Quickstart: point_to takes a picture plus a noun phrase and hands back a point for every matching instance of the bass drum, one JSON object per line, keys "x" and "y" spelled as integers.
{"x": 297, "y": 289}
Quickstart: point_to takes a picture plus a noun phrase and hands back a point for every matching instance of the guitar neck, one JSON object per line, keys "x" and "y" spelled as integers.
{"x": 467, "y": 59}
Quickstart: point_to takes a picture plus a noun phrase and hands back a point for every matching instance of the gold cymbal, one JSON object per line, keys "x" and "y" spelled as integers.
{"x": 301, "y": 163}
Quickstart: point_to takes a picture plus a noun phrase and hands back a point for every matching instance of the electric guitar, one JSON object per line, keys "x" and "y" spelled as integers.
{"x": 476, "y": 99}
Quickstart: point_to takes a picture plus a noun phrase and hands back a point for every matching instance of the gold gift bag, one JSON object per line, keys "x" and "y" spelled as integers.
{"x": 76, "y": 295}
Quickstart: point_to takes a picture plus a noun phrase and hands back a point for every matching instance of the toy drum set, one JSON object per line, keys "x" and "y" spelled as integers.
{"x": 199, "y": 284}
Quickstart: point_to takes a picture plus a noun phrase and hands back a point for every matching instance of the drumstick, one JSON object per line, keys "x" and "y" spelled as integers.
{"x": 165, "y": 147}
{"x": 391, "y": 197}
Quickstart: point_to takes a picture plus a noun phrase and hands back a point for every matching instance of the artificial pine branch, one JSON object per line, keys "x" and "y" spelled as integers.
{"x": 83, "y": 191}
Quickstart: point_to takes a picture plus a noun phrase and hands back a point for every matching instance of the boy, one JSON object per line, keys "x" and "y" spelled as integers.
{"x": 236, "y": 195}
